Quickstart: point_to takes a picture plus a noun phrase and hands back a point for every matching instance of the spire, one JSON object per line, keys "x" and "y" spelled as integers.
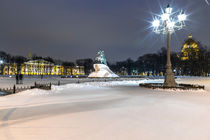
{"x": 29, "y": 56}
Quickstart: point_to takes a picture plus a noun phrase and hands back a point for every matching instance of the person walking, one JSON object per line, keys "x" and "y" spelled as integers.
{"x": 17, "y": 78}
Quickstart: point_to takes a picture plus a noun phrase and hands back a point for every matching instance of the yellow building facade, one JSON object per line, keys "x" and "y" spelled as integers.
{"x": 41, "y": 67}
{"x": 190, "y": 49}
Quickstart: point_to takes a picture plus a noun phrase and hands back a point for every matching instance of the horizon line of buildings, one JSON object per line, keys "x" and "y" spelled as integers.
{"x": 40, "y": 67}
{"x": 43, "y": 67}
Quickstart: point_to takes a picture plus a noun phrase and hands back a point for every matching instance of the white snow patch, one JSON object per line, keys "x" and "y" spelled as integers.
{"x": 99, "y": 111}
{"x": 102, "y": 85}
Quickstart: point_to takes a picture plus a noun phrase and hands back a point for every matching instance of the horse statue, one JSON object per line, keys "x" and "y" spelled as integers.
{"x": 101, "y": 57}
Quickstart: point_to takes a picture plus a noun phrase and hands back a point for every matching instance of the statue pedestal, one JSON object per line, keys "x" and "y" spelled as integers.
{"x": 102, "y": 70}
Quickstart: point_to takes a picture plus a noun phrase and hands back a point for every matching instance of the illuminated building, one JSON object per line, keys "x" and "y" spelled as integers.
{"x": 41, "y": 67}
{"x": 190, "y": 49}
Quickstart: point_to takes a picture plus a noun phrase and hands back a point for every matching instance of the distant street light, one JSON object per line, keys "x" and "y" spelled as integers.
{"x": 167, "y": 23}
{"x": 1, "y": 62}
{"x": 1, "y": 65}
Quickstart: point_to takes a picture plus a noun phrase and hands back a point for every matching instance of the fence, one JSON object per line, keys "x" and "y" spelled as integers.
{"x": 15, "y": 89}
{"x": 47, "y": 86}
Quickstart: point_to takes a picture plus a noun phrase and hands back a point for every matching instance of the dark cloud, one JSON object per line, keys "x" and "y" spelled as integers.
{"x": 71, "y": 29}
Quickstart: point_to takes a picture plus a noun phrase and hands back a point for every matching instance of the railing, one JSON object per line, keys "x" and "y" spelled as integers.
{"x": 47, "y": 86}
{"x": 15, "y": 89}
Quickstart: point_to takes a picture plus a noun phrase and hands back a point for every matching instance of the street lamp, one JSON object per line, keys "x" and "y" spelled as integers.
{"x": 166, "y": 24}
{"x": 1, "y": 61}
{"x": 1, "y": 65}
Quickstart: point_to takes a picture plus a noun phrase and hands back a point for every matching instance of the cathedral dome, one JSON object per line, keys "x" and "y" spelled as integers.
{"x": 190, "y": 49}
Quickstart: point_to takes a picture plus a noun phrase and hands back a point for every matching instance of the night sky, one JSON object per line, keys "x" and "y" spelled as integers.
{"x": 72, "y": 29}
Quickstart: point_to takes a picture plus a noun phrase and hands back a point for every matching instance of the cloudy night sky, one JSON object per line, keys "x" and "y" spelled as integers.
{"x": 72, "y": 29}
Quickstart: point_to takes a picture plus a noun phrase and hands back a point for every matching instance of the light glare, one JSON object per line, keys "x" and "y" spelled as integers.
{"x": 182, "y": 17}
{"x": 156, "y": 23}
{"x": 171, "y": 24}
{"x": 165, "y": 16}
{"x": 1, "y": 61}
{"x": 169, "y": 10}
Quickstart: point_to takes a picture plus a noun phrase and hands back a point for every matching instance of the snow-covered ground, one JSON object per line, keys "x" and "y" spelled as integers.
{"x": 117, "y": 110}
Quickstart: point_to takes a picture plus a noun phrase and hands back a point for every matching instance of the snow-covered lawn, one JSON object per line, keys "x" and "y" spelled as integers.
{"x": 117, "y": 110}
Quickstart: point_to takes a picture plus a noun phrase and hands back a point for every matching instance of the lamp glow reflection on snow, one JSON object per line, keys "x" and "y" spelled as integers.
{"x": 167, "y": 23}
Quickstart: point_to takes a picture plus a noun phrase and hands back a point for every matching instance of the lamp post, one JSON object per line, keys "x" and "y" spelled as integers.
{"x": 1, "y": 66}
{"x": 166, "y": 24}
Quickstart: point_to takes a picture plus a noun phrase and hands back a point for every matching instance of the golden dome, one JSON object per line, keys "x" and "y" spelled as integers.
{"x": 190, "y": 48}
{"x": 190, "y": 35}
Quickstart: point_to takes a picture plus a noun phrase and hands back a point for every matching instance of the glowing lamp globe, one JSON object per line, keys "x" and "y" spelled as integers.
{"x": 165, "y": 16}
{"x": 182, "y": 17}
{"x": 156, "y": 23}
